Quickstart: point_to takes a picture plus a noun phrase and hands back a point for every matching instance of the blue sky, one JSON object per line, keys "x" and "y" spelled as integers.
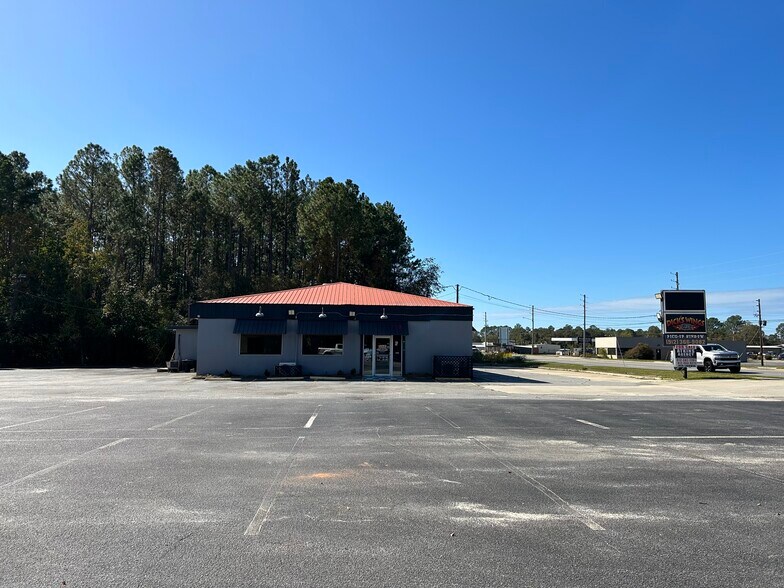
{"x": 538, "y": 150}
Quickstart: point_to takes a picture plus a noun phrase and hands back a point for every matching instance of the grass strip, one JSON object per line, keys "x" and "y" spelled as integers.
{"x": 642, "y": 372}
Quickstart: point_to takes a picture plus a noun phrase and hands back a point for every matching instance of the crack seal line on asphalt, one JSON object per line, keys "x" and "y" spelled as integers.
{"x": 443, "y": 418}
{"x": 179, "y": 418}
{"x": 57, "y": 466}
{"x": 580, "y": 516}
{"x": 50, "y": 418}
{"x": 676, "y": 437}
{"x": 268, "y": 501}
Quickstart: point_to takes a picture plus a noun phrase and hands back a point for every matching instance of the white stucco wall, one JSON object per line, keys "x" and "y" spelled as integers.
{"x": 185, "y": 343}
{"x": 325, "y": 365}
{"x": 219, "y": 349}
{"x": 428, "y": 338}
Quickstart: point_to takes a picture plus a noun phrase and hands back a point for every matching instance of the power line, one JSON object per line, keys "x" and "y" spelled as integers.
{"x": 488, "y": 302}
{"x": 444, "y": 289}
{"x": 550, "y": 312}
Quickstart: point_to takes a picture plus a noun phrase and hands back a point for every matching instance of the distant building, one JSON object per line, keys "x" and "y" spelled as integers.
{"x": 615, "y": 347}
{"x": 538, "y": 349}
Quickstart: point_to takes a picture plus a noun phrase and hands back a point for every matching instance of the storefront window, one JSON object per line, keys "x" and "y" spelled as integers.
{"x": 367, "y": 355}
{"x": 322, "y": 344}
{"x": 260, "y": 344}
{"x": 397, "y": 356}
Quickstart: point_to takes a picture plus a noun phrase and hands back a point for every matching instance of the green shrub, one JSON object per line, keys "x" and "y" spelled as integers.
{"x": 641, "y": 351}
{"x": 498, "y": 357}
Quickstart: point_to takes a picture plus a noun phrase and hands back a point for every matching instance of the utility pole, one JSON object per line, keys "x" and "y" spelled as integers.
{"x": 457, "y": 293}
{"x": 677, "y": 282}
{"x": 485, "y": 331}
{"x": 533, "y": 336}
{"x": 762, "y": 335}
{"x": 585, "y": 336}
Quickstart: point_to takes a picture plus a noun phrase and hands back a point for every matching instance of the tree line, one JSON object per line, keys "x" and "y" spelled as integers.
{"x": 734, "y": 328}
{"x": 95, "y": 265}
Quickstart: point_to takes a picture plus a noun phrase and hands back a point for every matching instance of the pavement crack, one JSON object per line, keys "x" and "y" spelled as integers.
{"x": 173, "y": 547}
{"x": 549, "y": 493}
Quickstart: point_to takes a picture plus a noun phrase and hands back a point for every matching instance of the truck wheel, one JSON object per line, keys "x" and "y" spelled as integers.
{"x": 709, "y": 367}
{"x": 735, "y": 369}
{"x": 700, "y": 368}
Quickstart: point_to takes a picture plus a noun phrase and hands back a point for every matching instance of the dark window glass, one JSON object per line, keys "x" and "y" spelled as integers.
{"x": 397, "y": 355}
{"x": 322, "y": 344}
{"x": 367, "y": 354}
{"x": 260, "y": 344}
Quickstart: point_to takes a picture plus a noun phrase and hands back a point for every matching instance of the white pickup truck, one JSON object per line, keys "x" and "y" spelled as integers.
{"x": 712, "y": 357}
{"x": 336, "y": 350}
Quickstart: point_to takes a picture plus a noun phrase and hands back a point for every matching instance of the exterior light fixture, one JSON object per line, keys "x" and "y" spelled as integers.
{"x": 384, "y": 315}
{"x": 352, "y": 313}
{"x": 259, "y": 314}
{"x": 323, "y": 315}
{"x": 291, "y": 312}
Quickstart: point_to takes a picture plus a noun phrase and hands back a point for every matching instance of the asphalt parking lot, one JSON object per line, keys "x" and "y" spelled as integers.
{"x": 520, "y": 478}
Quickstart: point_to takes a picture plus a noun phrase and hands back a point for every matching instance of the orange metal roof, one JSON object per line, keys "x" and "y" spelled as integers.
{"x": 339, "y": 293}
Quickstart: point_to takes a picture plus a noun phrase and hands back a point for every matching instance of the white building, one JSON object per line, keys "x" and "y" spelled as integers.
{"x": 332, "y": 329}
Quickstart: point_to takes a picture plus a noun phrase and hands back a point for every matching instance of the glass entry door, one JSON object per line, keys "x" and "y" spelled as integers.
{"x": 382, "y": 356}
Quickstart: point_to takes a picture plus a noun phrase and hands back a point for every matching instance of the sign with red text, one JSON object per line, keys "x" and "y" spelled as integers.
{"x": 685, "y": 356}
{"x": 684, "y": 317}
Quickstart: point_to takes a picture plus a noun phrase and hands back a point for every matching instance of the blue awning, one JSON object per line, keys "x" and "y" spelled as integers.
{"x": 385, "y": 327}
{"x": 259, "y": 327}
{"x": 322, "y": 327}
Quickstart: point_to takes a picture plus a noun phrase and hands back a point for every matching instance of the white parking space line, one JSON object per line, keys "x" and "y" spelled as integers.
{"x": 57, "y": 466}
{"x": 443, "y": 418}
{"x": 578, "y": 514}
{"x": 707, "y": 437}
{"x": 50, "y": 418}
{"x": 179, "y": 418}
{"x": 268, "y": 501}
{"x": 589, "y": 423}
{"x": 312, "y": 418}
